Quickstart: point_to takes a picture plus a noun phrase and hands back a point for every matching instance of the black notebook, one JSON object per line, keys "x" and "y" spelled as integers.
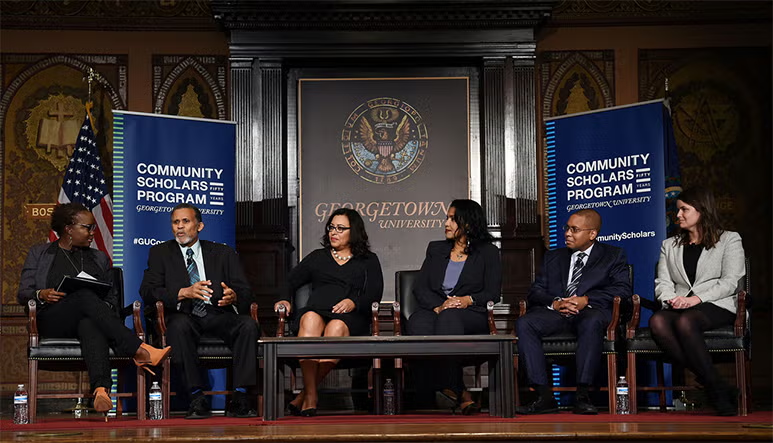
{"x": 72, "y": 284}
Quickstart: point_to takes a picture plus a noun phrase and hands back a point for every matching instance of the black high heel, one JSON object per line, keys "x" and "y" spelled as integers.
{"x": 447, "y": 399}
{"x": 310, "y": 412}
{"x": 469, "y": 407}
{"x": 293, "y": 410}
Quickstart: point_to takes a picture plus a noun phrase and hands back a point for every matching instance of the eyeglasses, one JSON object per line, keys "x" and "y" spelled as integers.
{"x": 91, "y": 227}
{"x": 339, "y": 229}
{"x": 575, "y": 229}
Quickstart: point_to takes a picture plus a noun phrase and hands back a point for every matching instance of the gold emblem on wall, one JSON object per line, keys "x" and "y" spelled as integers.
{"x": 707, "y": 122}
{"x": 52, "y": 128}
{"x": 190, "y": 106}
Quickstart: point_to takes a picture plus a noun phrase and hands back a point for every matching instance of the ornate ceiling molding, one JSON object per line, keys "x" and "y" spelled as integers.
{"x": 380, "y": 15}
{"x": 136, "y": 15}
{"x": 653, "y": 12}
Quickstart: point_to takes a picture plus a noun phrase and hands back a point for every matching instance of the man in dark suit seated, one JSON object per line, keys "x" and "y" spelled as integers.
{"x": 204, "y": 290}
{"x": 574, "y": 292}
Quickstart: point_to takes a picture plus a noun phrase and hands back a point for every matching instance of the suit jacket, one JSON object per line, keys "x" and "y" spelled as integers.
{"x": 718, "y": 277}
{"x": 167, "y": 274}
{"x": 481, "y": 276}
{"x": 35, "y": 271}
{"x": 604, "y": 277}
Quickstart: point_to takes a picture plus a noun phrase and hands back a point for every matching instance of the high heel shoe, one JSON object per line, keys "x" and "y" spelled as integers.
{"x": 154, "y": 356}
{"x": 294, "y": 410}
{"x": 447, "y": 399}
{"x": 310, "y": 412}
{"x": 469, "y": 407}
{"x": 102, "y": 401}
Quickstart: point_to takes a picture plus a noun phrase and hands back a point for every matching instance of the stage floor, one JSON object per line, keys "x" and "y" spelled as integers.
{"x": 649, "y": 426}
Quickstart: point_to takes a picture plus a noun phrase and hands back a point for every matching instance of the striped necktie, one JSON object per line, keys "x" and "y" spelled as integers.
{"x": 576, "y": 274}
{"x": 199, "y": 307}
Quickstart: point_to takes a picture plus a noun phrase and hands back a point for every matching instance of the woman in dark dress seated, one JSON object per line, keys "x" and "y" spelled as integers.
{"x": 700, "y": 273}
{"x": 459, "y": 276}
{"x": 345, "y": 279}
{"x": 80, "y": 314}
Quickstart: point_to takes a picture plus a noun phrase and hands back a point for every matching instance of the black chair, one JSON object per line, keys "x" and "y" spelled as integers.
{"x": 64, "y": 354}
{"x": 301, "y": 300}
{"x": 404, "y": 306}
{"x": 565, "y": 345}
{"x": 212, "y": 351}
{"x": 734, "y": 340}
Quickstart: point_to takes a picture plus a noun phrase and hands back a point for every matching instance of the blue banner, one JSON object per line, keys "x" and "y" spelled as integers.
{"x": 612, "y": 160}
{"x": 161, "y": 161}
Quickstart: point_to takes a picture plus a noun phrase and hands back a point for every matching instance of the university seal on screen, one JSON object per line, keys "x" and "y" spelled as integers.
{"x": 384, "y": 140}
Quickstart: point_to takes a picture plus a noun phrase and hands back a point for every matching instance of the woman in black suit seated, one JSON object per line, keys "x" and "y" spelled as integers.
{"x": 699, "y": 275}
{"x": 459, "y": 276}
{"x": 81, "y": 314}
{"x": 345, "y": 279}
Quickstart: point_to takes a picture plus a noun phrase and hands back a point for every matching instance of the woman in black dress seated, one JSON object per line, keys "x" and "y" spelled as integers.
{"x": 459, "y": 276}
{"x": 80, "y": 314}
{"x": 345, "y": 279}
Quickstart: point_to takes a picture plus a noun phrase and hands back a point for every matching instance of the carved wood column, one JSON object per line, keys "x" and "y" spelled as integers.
{"x": 272, "y": 139}
{"x": 246, "y": 161}
{"x": 493, "y": 152}
{"x": 525, "y": 134}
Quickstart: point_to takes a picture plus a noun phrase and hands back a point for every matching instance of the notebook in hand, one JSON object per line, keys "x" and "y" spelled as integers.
{"x": 72, "y": 284}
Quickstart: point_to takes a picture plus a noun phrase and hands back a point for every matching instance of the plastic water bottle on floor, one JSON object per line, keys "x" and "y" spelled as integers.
{"x": 155, "y": 403}
{"x": 80, "y": 410}
{"x": 20, "y": 407}
{"x": 623, "y": 406}
{"x": 389, "y": 397}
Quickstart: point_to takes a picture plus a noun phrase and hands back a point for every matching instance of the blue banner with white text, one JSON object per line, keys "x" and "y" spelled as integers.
{"x": 161, "y": 161}
{"x": 612, "y": 160}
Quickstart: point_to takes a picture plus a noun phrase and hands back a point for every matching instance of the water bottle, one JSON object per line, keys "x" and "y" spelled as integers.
{"x": 20, "y": 407}
{"x": 80, "y": 410}
{"x": 622, "y": 397}
{"x": 680, "y": 404}
{"x": 156, "y": 402}
{"x": 389, "y": 397}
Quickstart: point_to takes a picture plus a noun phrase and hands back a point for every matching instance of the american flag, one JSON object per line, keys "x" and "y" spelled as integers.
{"x": 84, "y": 182}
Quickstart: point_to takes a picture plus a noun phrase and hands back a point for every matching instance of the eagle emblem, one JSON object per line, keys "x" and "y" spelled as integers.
{"x": 384, "y": 140}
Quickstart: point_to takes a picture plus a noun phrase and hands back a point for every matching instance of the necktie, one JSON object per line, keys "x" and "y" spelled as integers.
{"x": 199, "y": 307}
{"x": 571, "y": 289}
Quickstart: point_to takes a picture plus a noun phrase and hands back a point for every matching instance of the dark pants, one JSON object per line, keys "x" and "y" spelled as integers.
{"x": 239, "y": 332}
{"x": 679, "y": 333}
{"x": 589, "y": 325}
{"x": 83, "y": 315}
{"x": 444, "y": 373}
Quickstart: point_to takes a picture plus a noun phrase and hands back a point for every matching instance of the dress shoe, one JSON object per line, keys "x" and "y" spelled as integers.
{"x": 310, "y": 412}
{"x": 542, "y": 405}
{"x": 199, "y": 407}
{"x": 149, "y": 356}
{"x": 724, "y": 399}
{"x": 240, "y": 406}
{"x": 583, "y": 406}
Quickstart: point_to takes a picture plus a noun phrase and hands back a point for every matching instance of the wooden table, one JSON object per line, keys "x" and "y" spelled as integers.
{"x": 497, "y": 348}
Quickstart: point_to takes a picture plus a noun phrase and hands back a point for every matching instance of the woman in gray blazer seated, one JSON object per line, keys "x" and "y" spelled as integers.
{"x": 699, "y": 275}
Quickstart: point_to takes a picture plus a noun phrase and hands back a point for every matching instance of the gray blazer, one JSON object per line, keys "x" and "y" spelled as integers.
{"x": 38, "y": 263}
{"x": 718, "y": 278}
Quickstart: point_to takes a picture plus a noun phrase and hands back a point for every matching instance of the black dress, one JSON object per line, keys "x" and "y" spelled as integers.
{"x": 359, "y": 279}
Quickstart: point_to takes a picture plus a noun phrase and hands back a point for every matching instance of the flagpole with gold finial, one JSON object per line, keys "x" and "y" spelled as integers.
{"x": 90, "y": 104}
